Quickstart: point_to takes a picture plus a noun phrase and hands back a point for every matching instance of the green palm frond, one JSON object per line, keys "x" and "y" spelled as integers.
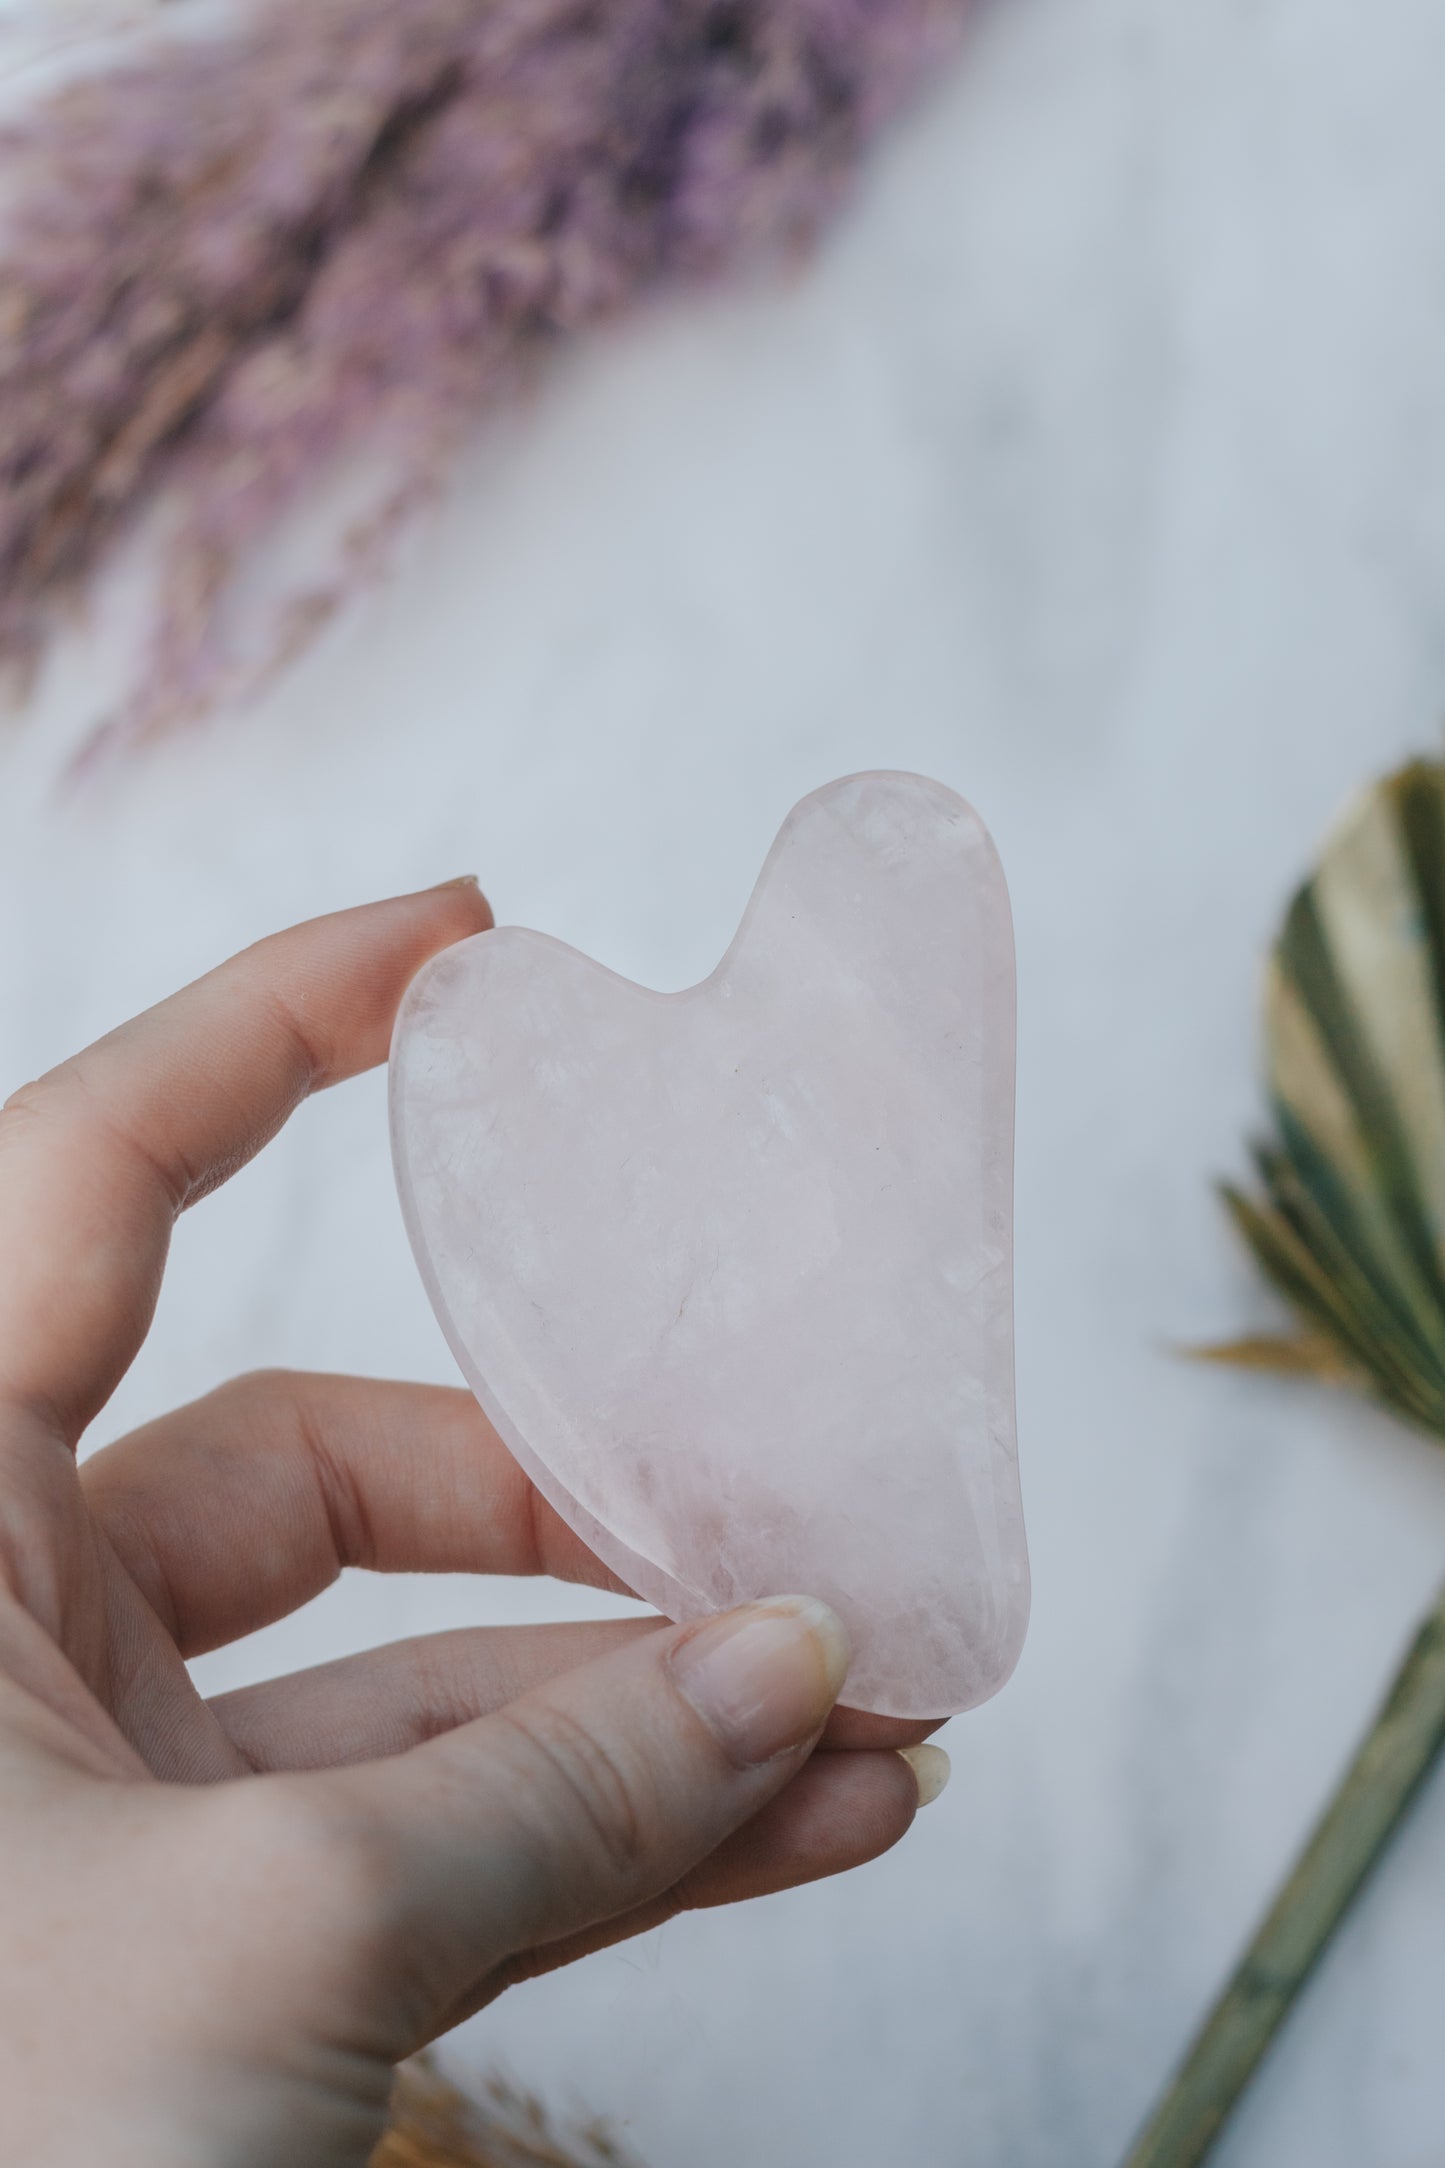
{"x": 1349, "y": 1222}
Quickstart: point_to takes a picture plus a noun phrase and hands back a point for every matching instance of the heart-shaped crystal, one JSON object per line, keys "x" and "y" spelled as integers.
{"x": 730, "y": 1269}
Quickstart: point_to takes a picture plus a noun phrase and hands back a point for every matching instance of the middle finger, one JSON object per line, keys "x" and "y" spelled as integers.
{"x": 232, "y": 1512}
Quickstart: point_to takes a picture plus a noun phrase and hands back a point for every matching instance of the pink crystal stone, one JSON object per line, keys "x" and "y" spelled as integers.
{"x": 730, "y": 1270}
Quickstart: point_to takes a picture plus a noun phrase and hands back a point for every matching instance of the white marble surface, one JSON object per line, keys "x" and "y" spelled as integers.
{"x": 1098, "y": 467}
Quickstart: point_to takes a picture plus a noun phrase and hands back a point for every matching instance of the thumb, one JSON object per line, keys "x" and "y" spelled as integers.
{"x": 595, "y": 1792}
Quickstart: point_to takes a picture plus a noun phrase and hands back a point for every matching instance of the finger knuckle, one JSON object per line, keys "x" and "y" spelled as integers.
{"x": 270, "y": 1386}
{"x": 605, "y": 1794}
{"x": 25, "y": 1114}
{"x": 24, "y": 1103}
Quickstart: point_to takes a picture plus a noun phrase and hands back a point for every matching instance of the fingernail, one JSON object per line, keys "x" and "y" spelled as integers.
{"x": 931, "y": 1770}
{"x": 764, "y": 1678}
{"x": 468, "y": 883}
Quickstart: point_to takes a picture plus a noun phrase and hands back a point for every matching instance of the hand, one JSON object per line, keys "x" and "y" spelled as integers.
{"x": 224, "y": 1922}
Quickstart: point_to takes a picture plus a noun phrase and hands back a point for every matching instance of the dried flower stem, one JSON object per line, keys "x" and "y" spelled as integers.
{"x": 1350, "y": 1228}
{"x": 1402, "y": 1748}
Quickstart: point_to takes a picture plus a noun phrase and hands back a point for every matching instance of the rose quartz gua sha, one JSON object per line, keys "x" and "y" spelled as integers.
{"x": 730, "y": 1269}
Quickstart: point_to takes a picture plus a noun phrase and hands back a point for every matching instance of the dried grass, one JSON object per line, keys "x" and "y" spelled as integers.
{"x": 347, "y": 226}
{"x": 435, "y": 2126}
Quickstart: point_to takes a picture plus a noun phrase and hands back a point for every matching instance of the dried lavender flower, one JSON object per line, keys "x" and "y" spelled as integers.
{"x": 348, "y": 224}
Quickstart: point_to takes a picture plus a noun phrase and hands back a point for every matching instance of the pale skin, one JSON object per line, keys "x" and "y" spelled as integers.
{"x": 223, "y": 1923}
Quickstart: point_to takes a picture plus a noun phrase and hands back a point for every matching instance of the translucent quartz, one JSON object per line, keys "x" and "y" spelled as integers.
{"x": 730, "y": 1270}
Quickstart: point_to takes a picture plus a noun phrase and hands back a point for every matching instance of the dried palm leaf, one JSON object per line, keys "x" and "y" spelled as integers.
{"x": 1350, "y": 1228}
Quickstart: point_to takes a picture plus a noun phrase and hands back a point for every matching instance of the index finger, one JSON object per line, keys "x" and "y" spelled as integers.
{"x": 99, "y": 1157}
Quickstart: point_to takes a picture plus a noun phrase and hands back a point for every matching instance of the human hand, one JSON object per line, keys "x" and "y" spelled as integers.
{"x": 223, "y": 1923}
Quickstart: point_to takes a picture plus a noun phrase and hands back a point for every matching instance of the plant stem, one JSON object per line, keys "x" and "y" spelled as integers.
{"x": 1408, "y": 1734}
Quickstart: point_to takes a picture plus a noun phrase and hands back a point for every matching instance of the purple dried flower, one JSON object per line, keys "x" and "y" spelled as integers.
{"x": 241, "y": 255}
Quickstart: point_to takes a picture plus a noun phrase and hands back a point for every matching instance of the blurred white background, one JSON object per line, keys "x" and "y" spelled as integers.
{"x": 1096, "y": 466}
